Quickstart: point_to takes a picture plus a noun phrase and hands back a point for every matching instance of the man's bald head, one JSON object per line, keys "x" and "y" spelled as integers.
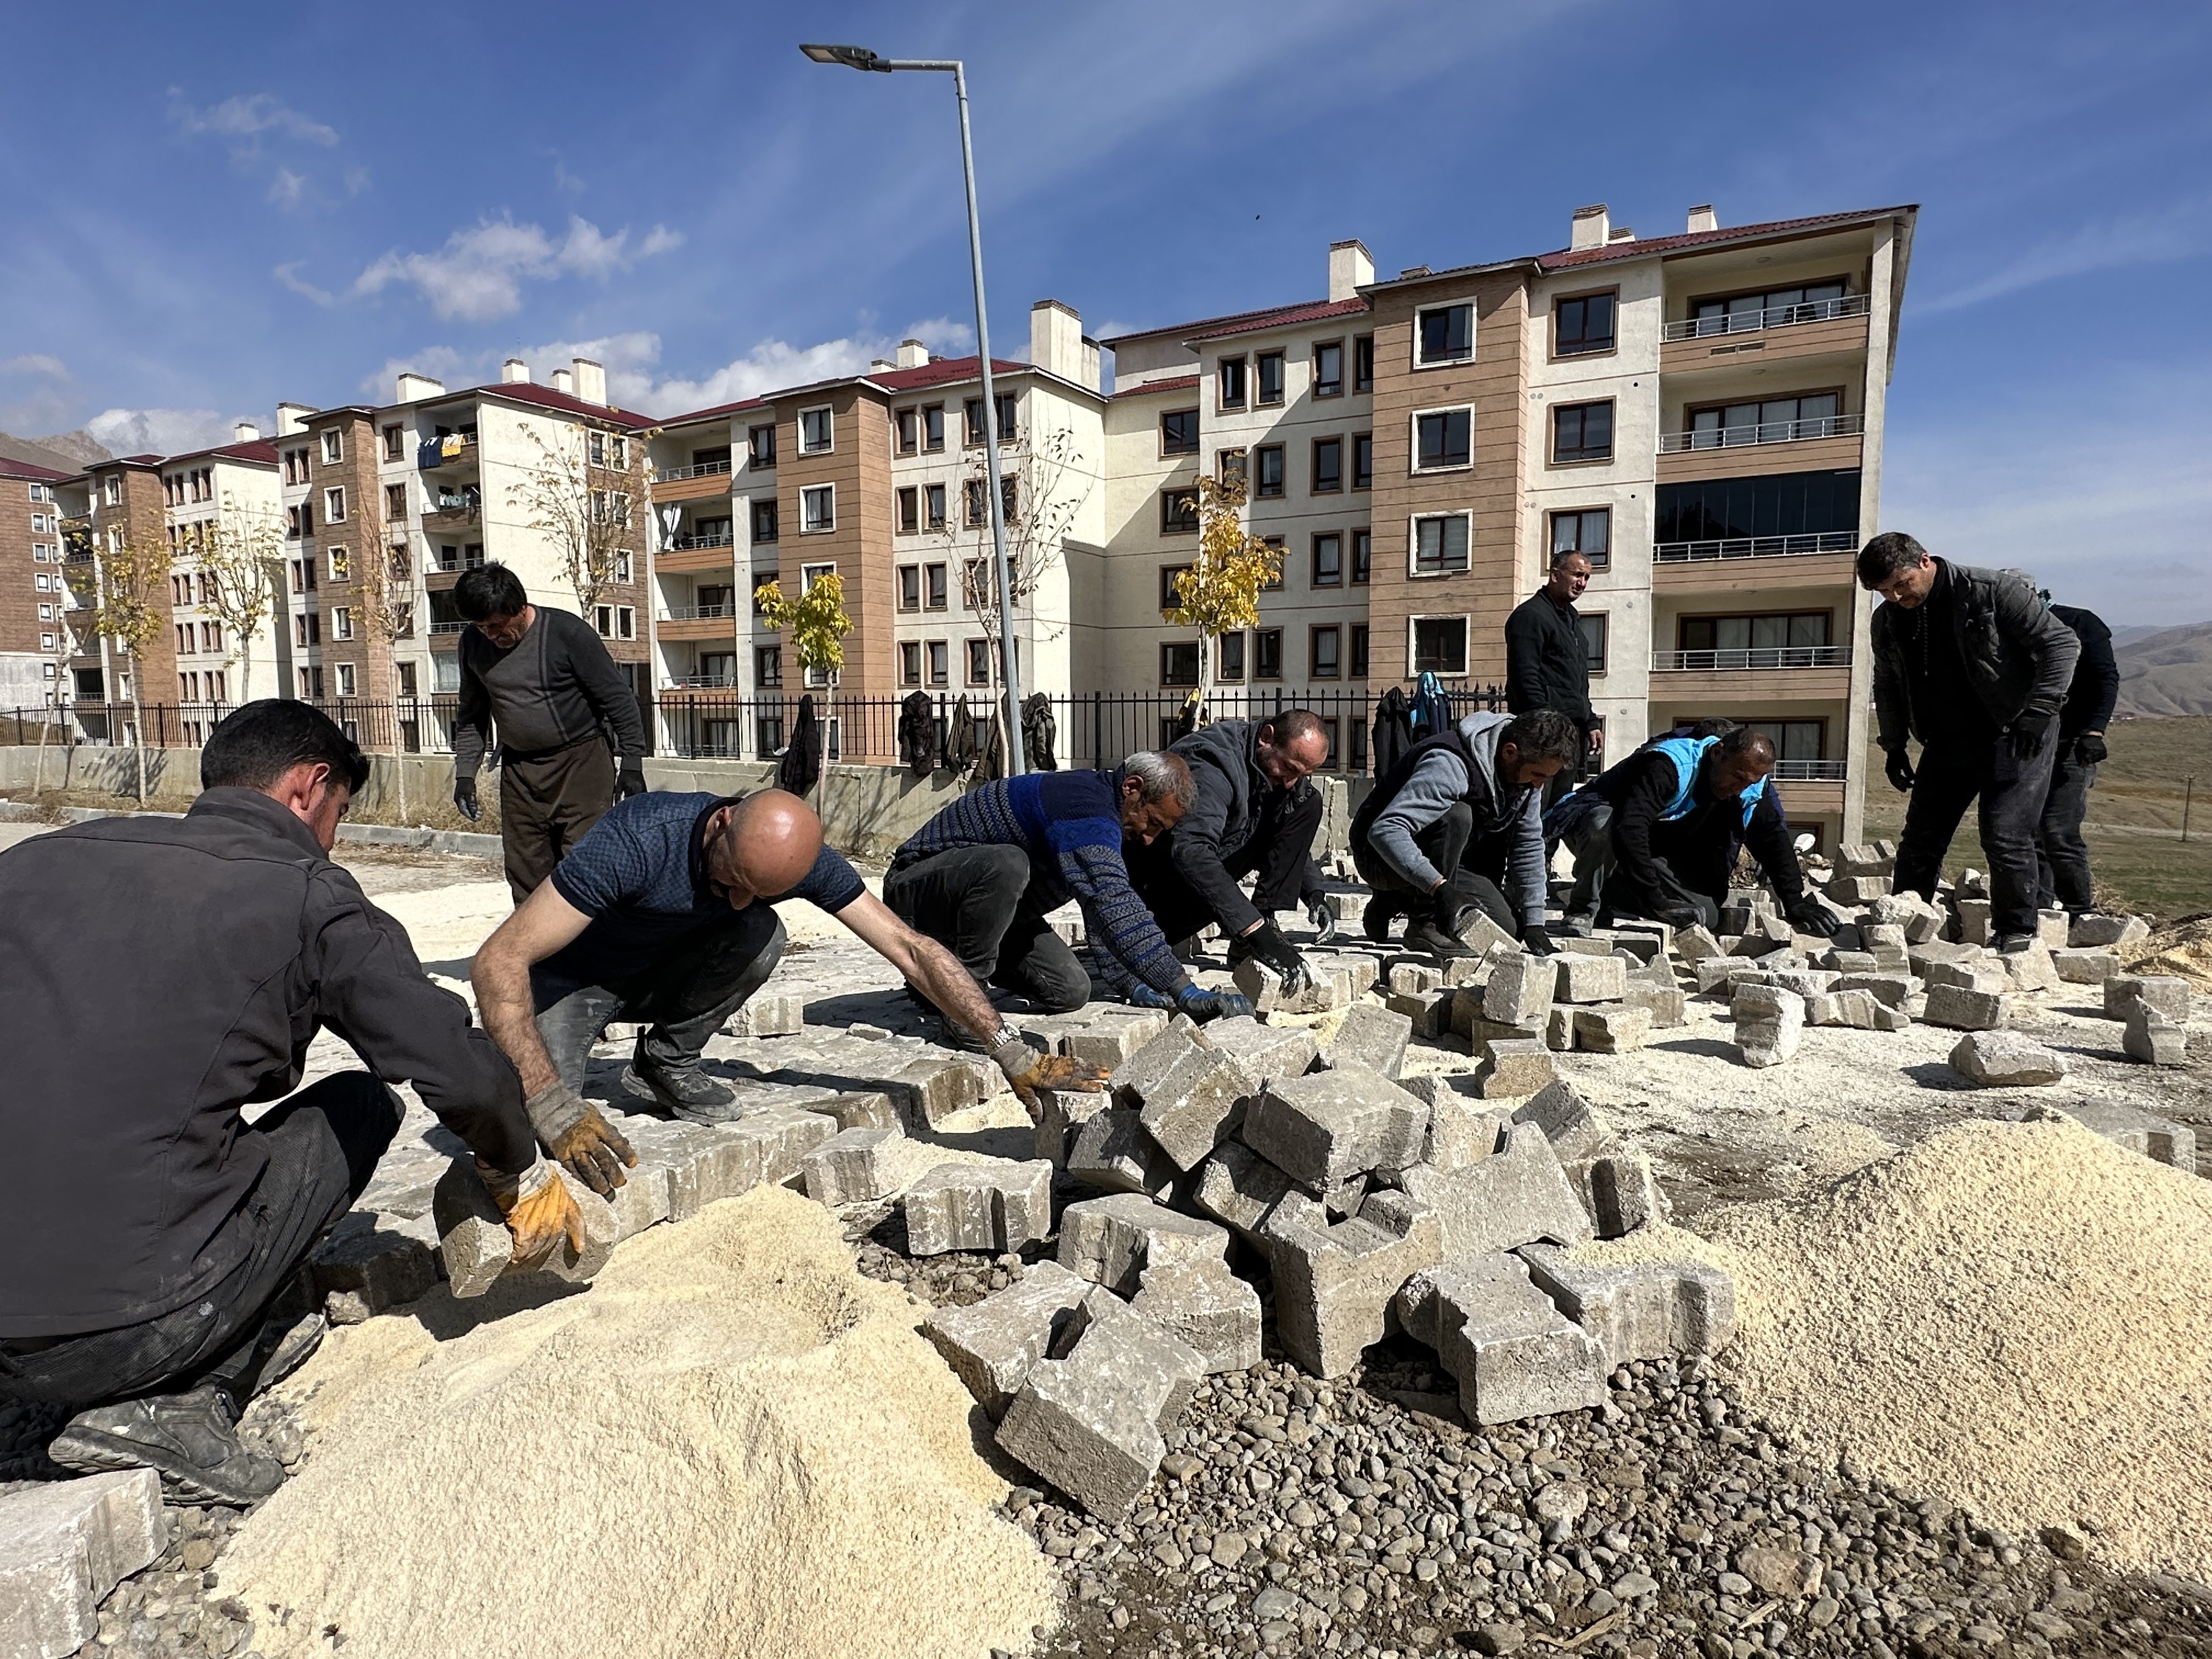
{"x": 763, "y": 846}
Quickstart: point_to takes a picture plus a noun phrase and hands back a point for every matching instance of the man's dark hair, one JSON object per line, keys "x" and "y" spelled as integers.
{"x": 1544, "y": 734}
{"x": 1295, "y": 725}
{"x": 1561, "y": 555}
{"x": 259, "y": 742}
{"x": 1713, "y": 726}
{"x": 489, "y": 590}
{"x": 1885, "y": 555}
{"x": 1744, "y": 740}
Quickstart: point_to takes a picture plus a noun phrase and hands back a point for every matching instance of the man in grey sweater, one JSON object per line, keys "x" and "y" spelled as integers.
{"x": 545, "y": 682}
{"x": 1458, "y": 823}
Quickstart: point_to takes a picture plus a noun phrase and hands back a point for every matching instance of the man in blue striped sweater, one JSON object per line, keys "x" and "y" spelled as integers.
{"x": 980, "y": 877}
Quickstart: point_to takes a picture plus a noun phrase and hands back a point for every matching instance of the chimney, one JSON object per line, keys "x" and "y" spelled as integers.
{"x": 1056, "y": 341}
{"x": 1593, "y": 228}
{"x": 591, "y": 381}
{"x": 292, "y": 418}
{"x": 414, "y": 388}
{"x": 514, "y": 372}
{"x": 877, "y": 364}
{"x": 1701, "y": 218}
{"x": 1351, "y": 267}
{"x": 912, "y": 353}
{"x": 1091, "y": 375}
{"x": 1623, "y": 234}
{"x": 1414, "y": 270}
{"x": 244, "y": 432}
{"x": 564, "y": 382}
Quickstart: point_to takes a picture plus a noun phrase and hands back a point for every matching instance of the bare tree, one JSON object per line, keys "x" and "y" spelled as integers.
{"x": 241, "y": 552}
{"x": 585, "y": 509}
{"x": 383, "y": 612}
{"x": 1220, "y": 591}
{"x": 131, "y": 607}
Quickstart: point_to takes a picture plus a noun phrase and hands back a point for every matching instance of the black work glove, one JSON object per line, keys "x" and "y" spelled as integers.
{"x": 464, "y": 798}
{"x": 1897, "y": 769}
{"x": 1266, "y": 944}
{"x": 1809, "y": 916}
{"x": 1141, "y": 995}
{"x": 2025, "y": 734}
{"x": 1681, "y": 916}
{"x": 1203, "y": 1005}
{"x": 2089, "y": 748}
{"x": 1537, "y": 940}
{"x": 630, "y": 780}
{"x": 1323, "y": 919}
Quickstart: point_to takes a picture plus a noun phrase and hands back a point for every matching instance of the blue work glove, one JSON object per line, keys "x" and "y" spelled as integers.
{"x": 1203, "y": 1005}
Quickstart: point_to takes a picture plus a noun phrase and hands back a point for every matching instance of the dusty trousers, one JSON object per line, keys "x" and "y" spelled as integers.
{"x": 2010, "y": 790}
{"x": 547, "y": 804}
{"x": 975, "y": 901}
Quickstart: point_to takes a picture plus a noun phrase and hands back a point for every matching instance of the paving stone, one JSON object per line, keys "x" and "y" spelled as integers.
{"x": 1696, "y": 945}
{"x": 63, "y": 1545}
{"x": 2052, "y": 928}
{"x": 1769, "y": 1025}
{"x": 979, "y": 1207}
{"x": 1111, "y": 1241}
{"x": 1589, "y": 979}
{"x": 1341, "y": 1200}
{"x": 1855, "y": 858}
{"x": 473, "y": 1240}
{"x": 1560, "y": 1030}
{"x": 1518, "y": 1195}
{"x": 1566, "y": 1120}
{"x": 1720, "y": 973}
{"x": 2153, "y": 1038}
{"x": 1982, "y": 974}
{"x": 1142, "y": 1072}
{"x": 1519, "y": 989}
{"x": 1463, "y": 1131}
{"x": 1329, "y": 988}
{"x": 1346, "y": 907}
{"x": 1513, "y": 1353}
{"x": 1113, "y": 1152}
{"x": 1333, "y": 1284}
{"x": 2031, "y": 969}
{"x": 1372, "y": 1037}
{"x": 1513, "y": 1068}
{"x": 849, "y": 1167}
{"x": 1974, "y": 925}
{"x": 1110, "y": 1039}
{"x": 1198, "y": 1299}
{"x": 778, "y": 1138}
{"x": 1411, "y": 978}
{"x": 1482, "y": 934}
{"x": 768, "y": 1014}
{"x": 1850, "y": 961}
{"x": 1644, "y": 948}
{"x": 2085, "y": 967}
{"x": 1803, "y": 981}
{"x": 1922, "y": 922}
{"x": 2005, "y": 1060}
{"x": 1237, "y": 1188}
{"x": 663, "y": 1146}
{"x": 1854, "y": 1009}
{"x": 1620, "y": 1192}
{"x": 1428, "y": 1014}
{"x": 371, "y": 1265}
{"x": 1615, "y": 1029}
{"x": 1195, "y": 1104}
{"x": 992, "y": 1345}
{"x": 2168, "y": 994}
{"x": 1470, "y": 970}
{"x": 1319, "y": 1129}
{"x": 1965, "y": 1011}
{"x": 1061, "y": 1113}
{"x": 1639, "y": 1310}
{"x": 1891, "y": 990}
{"x": 1857, "y": 889}
{"x": 2156, "y": 1138}
{"x": 2088, "y": 932}
{"x": 1668, "y": 1004}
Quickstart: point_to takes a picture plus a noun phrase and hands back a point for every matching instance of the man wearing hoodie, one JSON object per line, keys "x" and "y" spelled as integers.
{"x": 1458, "y": 822}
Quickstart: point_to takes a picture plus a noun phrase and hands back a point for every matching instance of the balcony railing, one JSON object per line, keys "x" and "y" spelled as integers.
{"x": 1762, "y": 431}
{"x": 1752, "y": 322}
{"x": 1803, "y": 771}
{"x": 708, "y": 683}
{"x": 698, "y": 612}
{"x": 704, "y": 470}
{"x": 447, "y": 627}
{"x": 689, "y": 544}
{"x": 433, "y": 451}
{"x": 1767, "y": 656}
{"x": 1757, "y": 547}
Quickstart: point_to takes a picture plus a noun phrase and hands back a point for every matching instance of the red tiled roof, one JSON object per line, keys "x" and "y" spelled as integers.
{"x": 1180, "y": 383}
{"x": 1567, "y": 257}
{"x": 1245, "y": 322}
{"x": 32, "y": 471}
{"x": 718, "y": 410}
{"x": 943, "y": 371}
{"x": 253, "y": 449}
{"x": 528, "y": 392}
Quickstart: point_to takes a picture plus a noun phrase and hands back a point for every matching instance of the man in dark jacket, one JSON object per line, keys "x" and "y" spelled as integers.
{"x": 1460, "y": 822}
{"x": 2062, "y": 856}
{"x": 1547, "y": 662}
{"x": 1656, "y": 835}
{"x": 544, "y": 680}
{"x": 1255, "y": 812}
{"x": 1971, "y": 663}
{"x": 163, "y": 975}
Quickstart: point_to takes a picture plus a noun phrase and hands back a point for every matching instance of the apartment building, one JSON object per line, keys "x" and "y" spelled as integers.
{"x": 34, "y": 592}
{"x": 226, "y": 497}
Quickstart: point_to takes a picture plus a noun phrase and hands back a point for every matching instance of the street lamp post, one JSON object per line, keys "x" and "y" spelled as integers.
{"x": 860, "y": 57}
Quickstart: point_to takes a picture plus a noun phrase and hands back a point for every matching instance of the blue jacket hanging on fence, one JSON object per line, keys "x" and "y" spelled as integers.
{"x": 1431, "y": 707}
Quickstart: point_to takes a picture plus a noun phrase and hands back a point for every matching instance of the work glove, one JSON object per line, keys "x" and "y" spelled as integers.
{"x": 1680, "y": 916}
{"x": 1141, "y": 995}
{"x": 1809, "y": 916}
{"x": 2089, "y": 748}
{"x": 464, "y": 798}
{"x": 1536, "y": 940}
{"x": 1266, "y": 944}
{"x": 1323, "y": 919}
{"x": 538, "y": 1210}
{"x": 630, "y": 780}
{"x": 1203, "y": 1005}
{"x": 589, "y": 1146}
{"x": 1027, "y": 1070}
{"x": 1897, "y": 769}
{"x": 2025, "y": 734}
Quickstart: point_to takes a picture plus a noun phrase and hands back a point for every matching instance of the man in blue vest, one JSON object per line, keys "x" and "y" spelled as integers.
{"x": 1656, "y": 835}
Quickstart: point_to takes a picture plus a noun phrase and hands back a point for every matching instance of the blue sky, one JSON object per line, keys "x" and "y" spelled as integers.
{"x": 213, "y": 211}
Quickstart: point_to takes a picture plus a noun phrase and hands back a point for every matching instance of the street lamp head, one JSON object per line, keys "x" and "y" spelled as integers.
{"x": 859, "y": 57}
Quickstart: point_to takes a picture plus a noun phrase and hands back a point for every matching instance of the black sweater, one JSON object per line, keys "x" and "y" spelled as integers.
{"x": 2096, "y": 684}
{"x": 1546, "y": 663}
{"x": 557, "y": 686}
{"x": 1699, "y": 846}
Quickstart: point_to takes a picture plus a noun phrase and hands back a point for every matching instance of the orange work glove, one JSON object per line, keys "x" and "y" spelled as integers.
{"x": 1029, "y": 1071}
{"x": 539, "y": 1209}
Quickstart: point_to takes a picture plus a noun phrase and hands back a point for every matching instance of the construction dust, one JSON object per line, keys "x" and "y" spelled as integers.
{"x": 2182, "y": 948}
{"x": 731, "y": 1444}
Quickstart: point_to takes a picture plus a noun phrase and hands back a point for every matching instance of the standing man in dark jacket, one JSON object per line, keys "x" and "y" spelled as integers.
{"x": 545, "y": 681}
{"x": 1547, "y": 662}
{"x": 2062, "y": 856}
{"x": 1970, "y": 662}
{"x": 1255, "y": 811}
{"x": 162, "y": 974}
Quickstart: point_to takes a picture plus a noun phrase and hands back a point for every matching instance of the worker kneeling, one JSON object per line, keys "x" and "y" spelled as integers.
{"x": 1458, "y": 823}
{"x": 164, "y": 974}
{"x": 1656, "y": 835}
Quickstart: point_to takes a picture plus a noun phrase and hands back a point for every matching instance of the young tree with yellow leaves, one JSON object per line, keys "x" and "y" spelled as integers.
{"x": 1220, "y": 592}
{"x": 132, "y": 607}
{"x": 814, "y": 622}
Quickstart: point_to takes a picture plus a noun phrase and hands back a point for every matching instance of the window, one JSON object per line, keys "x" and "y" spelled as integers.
{"x": 1771, "y": 420}
{"x": 1440, "y": 545}
{"x": 764, "y": 528}
{"x": 909, "y": 426}
{"x": 909, "y": 510}
{"x": 1327, "y": 466}
{"x": 334, "y": 509}
{"x": 295, "y": 466}
{"x": 1328, "y": 561}
{"x": 1783, "y": 504}
{"x": 113, "y": 495}
{"x": 1792, "y": 636}
{"x": 932, "y": 586}
{"x": 1794, "y": 740}
{"x": 972, "y": 412}
{"x": 1179, "y": 432}
{"x": 1328, "y": 369}
{"x": 767, "y": 665}
{"x": 977, "y": 504}
{"x": 595, "y": 445}
{"x": 909, "y": 587}
{"x": 1268, "y": 471}
{"x": 1274, "y": 582}
{"x": 307, "y": 629}
{"x": 932, "y": 426}
{"x": 1178, "y": 512}
{"x": 1362, "y": 556}
{"x": 810, "y": 573}
{"x": 1178, "y": 662}
{"x": 395, "y": 502}
{"x": 1582, "y": 325}
{"x": 618, "y": 451}
{"x": 342, "y": 622}
{"x": 1228, "y": 658}
{"x": 623, "y": 566}
{"x": 1363, "y": 363}
{"x": 1592, "y": 623}
{"x": 1443, "y": 438}
{"x": 333, "y": 448}
{"x": 934, "y": 499}
{"x": 1587, "y": 530}
{"x": 616, "y": 621}
{"x": 1010, "y": 498}
{"x": 1444, "y": 334}
{"x": 1359, "y": 651}
{"x": 940, "y": 662}
{"x": 1363, "y": 460}
{"x": 1322, "y": 662}
{"x": 1770, "y": 308}
{"x": 345, "y": 679}
{"x": 341, "y": 565}
{"x": 1268, "y": 366}
{"x": 979, "y": 662}
{"x": 395, "y": 443}
{"x": 817, "y": 510}
{"x": 817, "y": 431}
{"x": 760, "y": 445}
{"x": 1582, "y": 432}
{"x": 1231, "y": 377}
{"x": 910, "y": 662}
{"x": 1169, "y": 573}
{"x": 1267, "y": 654}
{"x": 1439, "y": 645}
{"x": 1231, "y": 464}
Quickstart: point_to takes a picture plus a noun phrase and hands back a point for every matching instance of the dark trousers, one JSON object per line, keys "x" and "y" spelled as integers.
{"x": 975, "y": 901}
{"x": 1473, "y": 868}
{"x": 2062, "y": 856}
{"x": 1279, "y": 850}
{"x": 1684, "y": 874}
{"x": 2011, "y": 791}
{"x": 322, "y": 1146}
{"x": 683, "y": 999}
{"x": 548, "y": 803}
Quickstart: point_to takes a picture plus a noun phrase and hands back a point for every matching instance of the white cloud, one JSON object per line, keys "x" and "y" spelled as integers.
{"x": 660, "y": 240}
{"x": 356, "y": 180}
{"x": 2108, "y": 245}
{"x": 35, "y": 363}
{"x": 161, "y": 431}
{"x": 287, "y": 188}
{"x": 438, "y": 362}
{"x": 948, "y": 337}
{"x": 248, "y": 116}
{"x": 478, "y": 274}
{"x": 565, "y": 180}
{"x": 288, "y": 276}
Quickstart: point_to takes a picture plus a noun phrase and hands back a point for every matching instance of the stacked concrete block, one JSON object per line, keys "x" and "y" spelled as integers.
{"x": 1113, "y": 1152}
{"x": 1238, "y": 1189}
{"x": 2085, "y": 967}
{"x": 1566, "y": 1120}
{"x": 1616, "y": 1029}
{"x": 63, "y": 1545}
{"x": 1189, "y": 1105}
{"x": 979, "y": 1207}
{"x": 1374, "y": 1038}
{"x": 849, "y": 1167}
{"x": 2168, "y": 994}
{"x": 1513, "y": 1067}
{"x": 2158, "y": 1139}
{"x": 1769, "y": 1025}
{"x": 1061, "y": 1113}
{"x": 2004, "y": 1060}
{"x": 1328, "y": 988}
{"x": 1641, "y": 1310}
{"x": 994, "y": 1345}
{"x": 1517, "y": 1194}
{"x": 1321, "y": 1128}
{"x": 1214, "y": 1312}
{"x": 1887, "y": 943}
{"x": 1333, "y": 1284}
{"x": 1514, "y": 1354}
{"x": 1112, "y": 1241}
{"x": 1519, "y": 990}
{"x": 1619, "y": 1191}
{"x": 2091, "y": 931}
{"x": 768, "y": 1014}
{"x": 1589, "y": 979}
{"x": 2152, "y": 1038}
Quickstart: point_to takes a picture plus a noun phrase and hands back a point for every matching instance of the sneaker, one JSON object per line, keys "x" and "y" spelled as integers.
{"x": 189, "y": 1439}
{"x": 1581, "y": 923}
{"x": 1381, "y": 912}
{"x": 683, "y": 1091}
{"x": 1425, "y": 937}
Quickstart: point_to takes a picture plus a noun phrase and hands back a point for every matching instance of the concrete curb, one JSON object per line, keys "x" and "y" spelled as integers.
{"x": 438, "y": 840}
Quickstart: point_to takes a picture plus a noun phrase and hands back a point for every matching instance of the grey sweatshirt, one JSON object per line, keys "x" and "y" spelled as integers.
{"x": 1439, "y": 783}
{"x": 556, "y": 687}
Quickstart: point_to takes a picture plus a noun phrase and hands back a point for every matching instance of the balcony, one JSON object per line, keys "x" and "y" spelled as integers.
{"x": 1805, "y": 771}
{"x": 1762, "y": 431}
{"x": 705, "y": 470}
{"x": 453, "y": 511}
{"x": 1756, "y": 322}
{"x": 695, "y": 544}
{"x": 709, "y": 481}
{"x": 454, "y": 449}
{"x": 698, "y": 612}
{"x": 1793, "y": 334}
{"x": 1820, "y": 559}
{"x": 1823, "y": 443}
{"x": 1767, "y": 656}
{"x": 706, "y": 683}
{"x": 699, "y": 621}
{"x": 1783, "y": 673}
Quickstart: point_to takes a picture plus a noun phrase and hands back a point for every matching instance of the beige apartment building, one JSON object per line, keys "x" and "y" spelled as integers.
{"x": 34, "y": 592}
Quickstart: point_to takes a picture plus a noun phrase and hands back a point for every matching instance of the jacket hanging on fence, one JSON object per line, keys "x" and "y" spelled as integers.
{"x": 917, "y": 734}
{"x": 961, "y": 750}
{"x": 802, "y": 761}
{"x": 1039, "y": 731}
{"x": 1431, "y": 708}
{"x": 1394, "y": 730}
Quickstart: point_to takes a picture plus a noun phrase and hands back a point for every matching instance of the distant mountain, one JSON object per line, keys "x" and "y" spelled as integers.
{"x": 2134, "y": 631}
{"x": 68, "y": 452}
{"x": 2166, "y": 671}
{"x": 79, "y": 446}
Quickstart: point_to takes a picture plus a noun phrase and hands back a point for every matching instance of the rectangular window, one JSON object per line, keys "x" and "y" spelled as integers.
{"x": 910, "y": 431}
{"x": 932, "y": 428}
{"x": 334, "y": 505}
{"x": 909, "y": 510}
{"x": 604, "y": 620}
{"x": 1267, "y": 654}
{"x": 395, "y": 443}
{"x": 817, "y": 510}
{"x": 810, "y": 573}
{"x": 1770, "y": 420}
{"x": 1770, "y": 308}
{"x": 345, "y": 679}
{"x": 1359, "y": 651}
{"x": 1783, "y": 633}
{"x": 764, "y": 522}
{"x": 977, "y": 504}
{"x": 1587, "y": 530}
{"x": 1327, "y": 466}
{"x": 1179, "y": 432}
{"x": 1268, "y": 370}
{"x": 622, "y": 566}
{"x": 1267, "y": 472}
{"x": 910, "y": 662}
{"x": 1274, "y": 582}
{"x": 1439, "y": 645}
{"x": 1363, "y": 363}
{"x": 1178, "y": 512}
{"x": 341, "y": 565}
{"x": 1007, "y": 404}
{"x": 934, "y": 500}
{"x": 1592, "y": 623}
{"x": 1363, "y": 556}
{"x": 395, "y": 502}
{"x": 1440, "y": 545}
{"x": 767, "y": 665}
{"x": 909, "y": 587}
{"x": 979, "y": 662}
{"x": 1230, "y": 464}
{"x": 1230, "y": 376}
{"x": 618, "y": 451}
{"x": 940, "y": 662}
{"x": 1363, "y": 460}
{"x": 333, "y": 448}
{"x": 1328, "y": 561}
{"x": 760, "y": 446}
{"x": 1824, "y": 504}
{"x": 933, "y": 579}
{"x": 1328, "y": 369}
{"x": 596, "y": 447}
{"x": 817, "y": 431}
{"x": 1443, "y": 438}
{"x": 1582, "y": 432}
{"x": 1444, "y": 334}
{"x": 1178, "y": 662}
{"x": 1322, "y": 660}
{"x": 625, "y": 622}
{"x": 1168, "y": 575}
{"x": 972, "y": 419}
{"x": 1582, "y": 326}
{"x": 342, "y": 622}
{"x": 1229, "y": 658}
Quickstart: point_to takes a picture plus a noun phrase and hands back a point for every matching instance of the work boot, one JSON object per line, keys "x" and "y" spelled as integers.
{"x": 2011, "y": 944}
{"x": 189, "y": 1439}
{"x": 1434, "y": 933}
{"x": 1381, "y": 910}
{"x": 684, "y": 1091}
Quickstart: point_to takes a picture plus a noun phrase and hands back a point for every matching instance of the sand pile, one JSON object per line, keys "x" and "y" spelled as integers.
{"x": 2182, "y": 948}
{"x": 731, "y": 1444}
{"x": 2017, "y": 1317}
